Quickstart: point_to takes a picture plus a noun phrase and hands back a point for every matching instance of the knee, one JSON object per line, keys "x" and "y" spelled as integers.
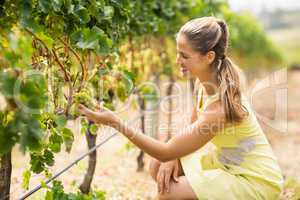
{"x": 153, "y": 168}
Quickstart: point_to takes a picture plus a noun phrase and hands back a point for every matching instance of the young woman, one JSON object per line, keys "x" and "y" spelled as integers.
{"x": 242, "y": 165}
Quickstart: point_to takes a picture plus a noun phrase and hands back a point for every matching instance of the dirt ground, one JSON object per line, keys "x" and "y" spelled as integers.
{"x": 116, "y": 167}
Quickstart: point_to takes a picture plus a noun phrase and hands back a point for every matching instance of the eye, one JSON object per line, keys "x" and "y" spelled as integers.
{"x": 183, "y": 55}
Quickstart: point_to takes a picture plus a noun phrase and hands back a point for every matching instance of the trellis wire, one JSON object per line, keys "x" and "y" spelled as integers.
{"x": 29, "y": 193}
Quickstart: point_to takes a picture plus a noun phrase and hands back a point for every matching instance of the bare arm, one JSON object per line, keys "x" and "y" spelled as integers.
{"x": 194, "y": 115}
{"x": 185, "y": 142}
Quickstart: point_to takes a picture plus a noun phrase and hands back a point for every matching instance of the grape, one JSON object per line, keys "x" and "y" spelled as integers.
{"x": 47, "y": 121}
{"x": 83, "y": 97}
{"x": 121, "y": 92}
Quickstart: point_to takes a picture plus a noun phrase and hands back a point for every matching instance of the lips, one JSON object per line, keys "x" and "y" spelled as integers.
{"x": 184, "y": 70}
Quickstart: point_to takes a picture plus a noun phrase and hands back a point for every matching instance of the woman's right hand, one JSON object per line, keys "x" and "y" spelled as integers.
{"x": 166, "y": 172}
{"x": 102, "y": 115}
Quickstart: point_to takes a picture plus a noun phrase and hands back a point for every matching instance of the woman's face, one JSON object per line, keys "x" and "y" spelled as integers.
{"x": 190, "y": 60}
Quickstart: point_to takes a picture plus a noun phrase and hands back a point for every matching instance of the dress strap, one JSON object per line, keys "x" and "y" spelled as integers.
{"x": 200, "y": 97}
{"x": 211, "y": 98}
{"x": 202, "y": 104}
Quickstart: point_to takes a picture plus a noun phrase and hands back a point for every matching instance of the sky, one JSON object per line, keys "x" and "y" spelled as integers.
{"x": 255, "y": 6}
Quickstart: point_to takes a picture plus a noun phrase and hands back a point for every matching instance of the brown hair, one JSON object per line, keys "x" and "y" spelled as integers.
{"x": 211, "y": 34}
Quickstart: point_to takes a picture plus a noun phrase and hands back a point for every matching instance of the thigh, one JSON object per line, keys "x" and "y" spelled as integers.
{"x": 179, "y": 190}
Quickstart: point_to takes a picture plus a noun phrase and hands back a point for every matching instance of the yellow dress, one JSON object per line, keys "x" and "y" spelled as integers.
{"x": 240, "y": 167}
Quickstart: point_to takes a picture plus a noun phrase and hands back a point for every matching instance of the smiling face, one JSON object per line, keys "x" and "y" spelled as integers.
{"x": 201, "y": 51}
{"x": 192, "y": 61}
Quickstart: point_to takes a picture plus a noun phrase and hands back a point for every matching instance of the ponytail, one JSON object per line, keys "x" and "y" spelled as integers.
{"x": 230, "y": 90}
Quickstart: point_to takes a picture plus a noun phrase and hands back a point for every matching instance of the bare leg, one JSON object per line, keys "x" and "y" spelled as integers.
{"x": 180, "y": 190}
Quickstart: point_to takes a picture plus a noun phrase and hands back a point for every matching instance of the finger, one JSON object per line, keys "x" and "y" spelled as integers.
{"x": 83, "y": 109}
{"x": 160, "y": 181}
{"x": 175, "y": 173}
{"x": 88, "y": 113}
{"x": 81, "y": 106}
{"x": 167, "y": 181}
{"x": 158, "y": 178}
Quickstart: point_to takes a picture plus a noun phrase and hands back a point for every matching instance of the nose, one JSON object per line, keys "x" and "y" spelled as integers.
{"x": 178, "y": 61}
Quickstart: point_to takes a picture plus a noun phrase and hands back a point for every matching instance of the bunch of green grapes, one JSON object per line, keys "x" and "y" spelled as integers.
{"x": 83, "y": 97}
{"x": 47, "y": 121}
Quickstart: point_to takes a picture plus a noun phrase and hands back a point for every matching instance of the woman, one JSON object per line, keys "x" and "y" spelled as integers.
{"x": 242, "y": 165}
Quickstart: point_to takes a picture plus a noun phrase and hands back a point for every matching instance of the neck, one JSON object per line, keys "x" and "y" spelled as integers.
{"x": 210, "y": 83}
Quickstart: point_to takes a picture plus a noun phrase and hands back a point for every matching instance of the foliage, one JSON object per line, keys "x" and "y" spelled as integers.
{"x": 56, "y": 192}
{"x": 57, "y": 54}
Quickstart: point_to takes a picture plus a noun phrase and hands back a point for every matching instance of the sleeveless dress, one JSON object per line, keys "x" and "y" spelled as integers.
{"x": 240, "y": 167}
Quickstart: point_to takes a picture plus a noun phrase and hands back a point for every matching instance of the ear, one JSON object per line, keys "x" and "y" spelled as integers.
{"x": 210, "y": 57}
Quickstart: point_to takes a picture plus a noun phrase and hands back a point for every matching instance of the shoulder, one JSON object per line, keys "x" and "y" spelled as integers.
{"x": 215, "y": 110}
{"x": 213, "y": 117}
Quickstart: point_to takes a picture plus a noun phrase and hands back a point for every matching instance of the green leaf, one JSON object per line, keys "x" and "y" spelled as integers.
{"x": 60, "y": 120}
{"x": 26, "y": 179}
{"x": 69, "y": 6}
{"x": 130, "y": 75}
{"x": 100, "y": 195}
{"x": 57, "y": 4}
{"x": 68, "y": 138}
{"x": 55, "y": 142}
{"x": 7, "y": 139}
{"x": 94, "y": 39}
{"x": 105, "y": 45}
{"x": 88, "y": 39}
{"x": 108, "y": 12}
{"x": 129, "y": 79}
{"x": 31, "y": 134}
{"x": 32, "y": 92}
{"x": 46, "y": 39}
{"x": 48, "y": 157}
{"x": 84, "y": 125}
{"x": 82, "y": 13}
{"x": 49, "y": 195}
{"x": 31, "y": 24}
{"x": 37, "y": 163}
{"x": 44, "y": 185}
{"x": 45, "y": 6}
{"x": 12, "y": 58}
{"x": 7, "y": 83}
{"x": 83, "y": 129}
